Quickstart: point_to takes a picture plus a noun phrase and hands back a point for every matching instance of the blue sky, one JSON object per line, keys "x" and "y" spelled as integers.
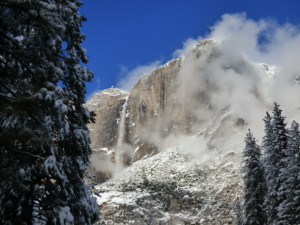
{"x": 122, "y": 35}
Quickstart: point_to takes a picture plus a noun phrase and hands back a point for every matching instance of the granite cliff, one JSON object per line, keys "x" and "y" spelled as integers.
{"x": 168, "y": 151}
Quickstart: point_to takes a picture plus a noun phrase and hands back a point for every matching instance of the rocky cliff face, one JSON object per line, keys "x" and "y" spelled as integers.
{"x": 108, "y": 106}
{"x": 149, "y": 105}
{"x": 181, "y": 138}
{"x": 104, "y": 133}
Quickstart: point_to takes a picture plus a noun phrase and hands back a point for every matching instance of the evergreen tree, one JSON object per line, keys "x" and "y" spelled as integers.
{"x": 238, "y": 212}
{"x": 289, "y": 191}
{"x": 274, "y": 146}
{"x": 254, "y": 184}
{"x": 44, "y": 140}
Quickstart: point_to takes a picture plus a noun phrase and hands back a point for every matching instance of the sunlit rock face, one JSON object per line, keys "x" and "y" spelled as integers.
{"x": 146, "y": 117}
{"x": 149, "y": 105}
{"x": 161, "y": 105}
{"x": 108, "y": 106}
{"x": 182, "y": 129}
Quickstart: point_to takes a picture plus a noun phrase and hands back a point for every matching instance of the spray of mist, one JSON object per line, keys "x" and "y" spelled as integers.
{"x": 121, "y": 131}
{"x": 231, "y": 81}
{"x": 129, "y": 77}
{"x": 234, "y": 79}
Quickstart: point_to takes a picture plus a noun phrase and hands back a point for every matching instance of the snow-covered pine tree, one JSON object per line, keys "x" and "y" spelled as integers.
{"x": 267, "y": 146}
{"x": 44, "y": 140}
{"x": 254, "y": 183}
{"x": 289, "y": 191}
{"x": 274, "y": 146}
{"x": 238, "y": 213}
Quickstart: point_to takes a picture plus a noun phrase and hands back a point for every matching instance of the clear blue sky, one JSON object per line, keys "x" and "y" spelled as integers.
{"x": 131, "y": 33}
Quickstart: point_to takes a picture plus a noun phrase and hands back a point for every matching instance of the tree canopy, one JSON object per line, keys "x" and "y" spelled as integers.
{"x": 271, "y": 178}
{"x": 44, "y": 140}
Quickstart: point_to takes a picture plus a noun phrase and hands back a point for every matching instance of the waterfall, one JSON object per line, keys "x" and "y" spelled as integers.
{"x": 121, "y": 131}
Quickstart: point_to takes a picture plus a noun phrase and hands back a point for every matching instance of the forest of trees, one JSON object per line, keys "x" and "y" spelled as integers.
{"x": 271, "y": 175}
{"x": 44, "y": 140}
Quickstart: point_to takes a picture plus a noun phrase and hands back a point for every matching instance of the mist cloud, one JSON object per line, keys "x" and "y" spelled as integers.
{"x": 236, "y": 76}
{"x": 129, "y": 78}
{"x": 188, "y": 46}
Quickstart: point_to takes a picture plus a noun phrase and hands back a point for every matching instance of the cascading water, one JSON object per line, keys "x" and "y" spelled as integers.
{"x": 121, "y": 131}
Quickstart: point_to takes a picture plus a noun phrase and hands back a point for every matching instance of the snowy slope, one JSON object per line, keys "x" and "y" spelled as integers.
{"x": 194, "y": 112}
{"x": 172, "y": 188}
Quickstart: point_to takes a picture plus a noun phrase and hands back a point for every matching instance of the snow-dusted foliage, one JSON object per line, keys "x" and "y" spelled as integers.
{"x": 254, "y": 184}
{"x": 274, "y": 146}
{"x": 44, "y": 141}
{"x": 238, "y": 212}
{"x": 289, "y": 191}
{"x": 272, "y": 187}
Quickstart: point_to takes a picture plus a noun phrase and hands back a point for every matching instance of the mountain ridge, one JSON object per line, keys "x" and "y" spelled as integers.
{"x": 196, "y": 108}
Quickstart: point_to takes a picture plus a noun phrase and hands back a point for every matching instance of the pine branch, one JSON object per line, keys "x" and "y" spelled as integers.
{"x": 26, "y": 153}
{"x": 12, "y": 40}
{"x": 5, "y": 96}
{"x": 22, "y": 63}
{"x": 10, "y": 6}
{"x": 8, "y": 89}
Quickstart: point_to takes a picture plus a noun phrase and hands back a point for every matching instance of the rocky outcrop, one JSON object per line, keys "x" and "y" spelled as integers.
{"x": 171, "y": 188}
{"x": 108, "y": 106}
{"x": 149, "y": 103}
{"x": 182, "y": 133}
{"x": 159, "y": 105}
{"x": 148, "y": 106}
